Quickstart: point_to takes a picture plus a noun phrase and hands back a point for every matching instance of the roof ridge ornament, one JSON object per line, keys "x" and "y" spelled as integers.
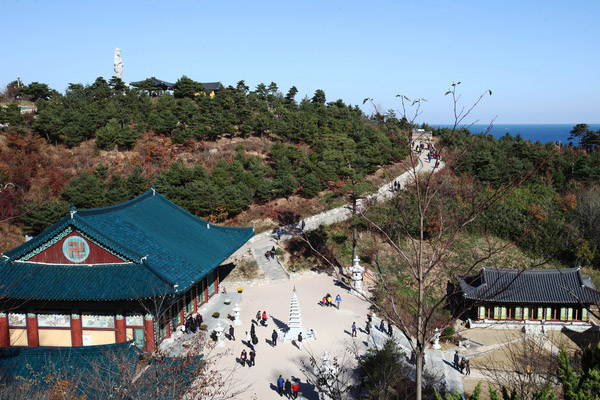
{"x": 73, "y": 210}
{"x": 153, "y": 190}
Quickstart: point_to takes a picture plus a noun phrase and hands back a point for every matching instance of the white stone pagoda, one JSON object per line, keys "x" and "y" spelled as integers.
{"x": 295, "y": 327}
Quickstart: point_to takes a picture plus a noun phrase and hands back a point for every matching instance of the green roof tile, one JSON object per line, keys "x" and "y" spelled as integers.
{"x": 167, "y": 246}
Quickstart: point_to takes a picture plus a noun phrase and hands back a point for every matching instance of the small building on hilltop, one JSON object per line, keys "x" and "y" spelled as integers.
{"x": 549, "y": 297}
{"x": 112, "y": 274}
{"x": 157, "y": 86}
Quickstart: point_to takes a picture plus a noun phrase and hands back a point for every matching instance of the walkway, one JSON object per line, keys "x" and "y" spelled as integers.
{"x": 266, "y": 240}
{"x": 438, "y": 363}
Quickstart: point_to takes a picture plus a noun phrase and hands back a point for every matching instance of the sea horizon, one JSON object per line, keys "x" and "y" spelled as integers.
{"x": 544, "y": 133}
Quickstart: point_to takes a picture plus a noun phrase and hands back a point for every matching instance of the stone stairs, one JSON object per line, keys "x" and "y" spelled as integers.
{"x": 272, "y": 269}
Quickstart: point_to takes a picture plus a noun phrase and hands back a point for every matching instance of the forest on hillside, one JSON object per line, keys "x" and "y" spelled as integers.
{"x": 104, "y": 143}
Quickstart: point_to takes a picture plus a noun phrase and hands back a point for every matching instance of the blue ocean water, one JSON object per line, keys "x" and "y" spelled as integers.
{"x": 543, "y": 133}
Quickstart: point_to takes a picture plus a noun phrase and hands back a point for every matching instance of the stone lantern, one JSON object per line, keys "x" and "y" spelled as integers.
{"x": 236, "y": 315}
{"x": 219, "y": 332}
{"x": 327, "y": 375}
{"x": 357, "y": 276}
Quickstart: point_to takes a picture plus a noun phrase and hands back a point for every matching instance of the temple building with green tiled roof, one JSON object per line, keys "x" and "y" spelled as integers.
{"x": 108, "y": 275}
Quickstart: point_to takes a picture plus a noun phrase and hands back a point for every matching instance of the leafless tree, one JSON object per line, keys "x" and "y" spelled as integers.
{"x": 523, "y": 366}
{"x": 422, "y": 230}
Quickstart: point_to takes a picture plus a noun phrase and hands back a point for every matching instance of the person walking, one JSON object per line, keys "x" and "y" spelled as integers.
{"x": 264, "y": 317}
{"x": 274, "y": 338}
{"x": 329, "y": 300}
{"x": 456, "y": 358}
{"x": 288, "y": 388}
{"x": 382, "y": 326}
{"x": 338, "y": 300}
{"x": 295, "y": 388}
{"x": 468, "y": 367}
{"x": 243, "y": 357}
{"x": 251, "y": 362}
{"x": 280, "y": 382}
{"x": 231, "y": 332}
{"x": 254, "y": 342}
{"x": 300, "y": 340}
{"x": 258, "y": 314}
{"x": 278, "y": 234}
{"x": 302, "y": 226}
{"x": 368, "y": 327}
{"x": 354, "y": 329}
{"x": 390, "y": 331}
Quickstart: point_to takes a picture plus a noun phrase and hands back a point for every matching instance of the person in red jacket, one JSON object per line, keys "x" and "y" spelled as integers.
{"x": 295, "y": 388}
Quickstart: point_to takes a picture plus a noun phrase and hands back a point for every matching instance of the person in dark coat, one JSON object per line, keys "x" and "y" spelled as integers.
{"x": 188, "y": 324}
{"x": 243, "y": 357}
{"x": 254, "y": 342}
{"x": 382, "y": 326}
{"x": 288, "y": 388}
{"x": 251, "y": 362}
{"x": 274, "y": 338}
{"x": 252, "y": 330}
{"x": 390, "y": 331}
{"x": 231, "y": 332}
{"x": 193, "y": 325}
{"x": 199, "y": 320}
{"x": 300, "y": 340}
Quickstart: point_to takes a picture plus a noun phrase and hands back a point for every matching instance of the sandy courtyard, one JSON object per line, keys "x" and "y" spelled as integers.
{"x": 332, "y": 328}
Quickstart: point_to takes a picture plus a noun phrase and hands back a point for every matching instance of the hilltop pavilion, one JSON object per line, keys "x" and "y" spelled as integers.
{"x": 112, "y": 274}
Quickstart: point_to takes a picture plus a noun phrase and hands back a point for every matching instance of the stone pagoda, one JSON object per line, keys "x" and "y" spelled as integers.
{"x": 295, "y": 327}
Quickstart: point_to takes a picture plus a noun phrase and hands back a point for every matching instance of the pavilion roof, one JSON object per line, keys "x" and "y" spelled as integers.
{"x": 165, "y": 250}
{"x": 551, "y": 286}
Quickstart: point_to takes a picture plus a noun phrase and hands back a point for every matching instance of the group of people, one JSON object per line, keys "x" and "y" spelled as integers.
{"x": 192, "y": 324}
{"x": 271, "y": 253}
{"x": 327, "y": 300}
{"x": 290, "y": 389}
{"x": 262, "y": 318}
{"x": 463, "y": 364}
{"x": 300, "y": 226}
{"x": 251, "y": 361}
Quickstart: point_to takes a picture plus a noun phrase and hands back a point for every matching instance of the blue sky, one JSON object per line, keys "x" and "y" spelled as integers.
{"x": 541, "y": 59}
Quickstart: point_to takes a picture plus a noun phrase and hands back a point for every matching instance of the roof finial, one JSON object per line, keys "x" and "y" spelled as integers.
{"x": 73, "y": 210}
{"x": 153, "y": 190}
{"x": 208, "y": 225}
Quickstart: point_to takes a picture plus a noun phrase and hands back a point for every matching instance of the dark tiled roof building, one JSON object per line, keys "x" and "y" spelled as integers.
{"x": 562, "y": 295}
{"x": 95, "y": 276}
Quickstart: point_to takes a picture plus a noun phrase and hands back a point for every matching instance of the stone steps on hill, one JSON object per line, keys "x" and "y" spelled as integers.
{"x": 271, "y": 267}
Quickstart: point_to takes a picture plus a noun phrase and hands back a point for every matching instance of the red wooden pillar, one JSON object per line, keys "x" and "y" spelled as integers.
{"x": 76, "y": 334}
{"x": 149, "y": 333}
{"x": 194, "y": 293}
{"x": 181, "y": 303}
{"x": 4, "y": 332}
{"x": 205, "y": 289}
{"x": 216, "y": 272}
{"x": 32, "y": 330}
{"x": 120, "y": 331}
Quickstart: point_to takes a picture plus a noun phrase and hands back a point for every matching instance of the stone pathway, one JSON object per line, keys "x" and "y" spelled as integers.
{"x": 438, "y": 363}
{"x": 266, "y": 240}
{"x": 273, "y": 270}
